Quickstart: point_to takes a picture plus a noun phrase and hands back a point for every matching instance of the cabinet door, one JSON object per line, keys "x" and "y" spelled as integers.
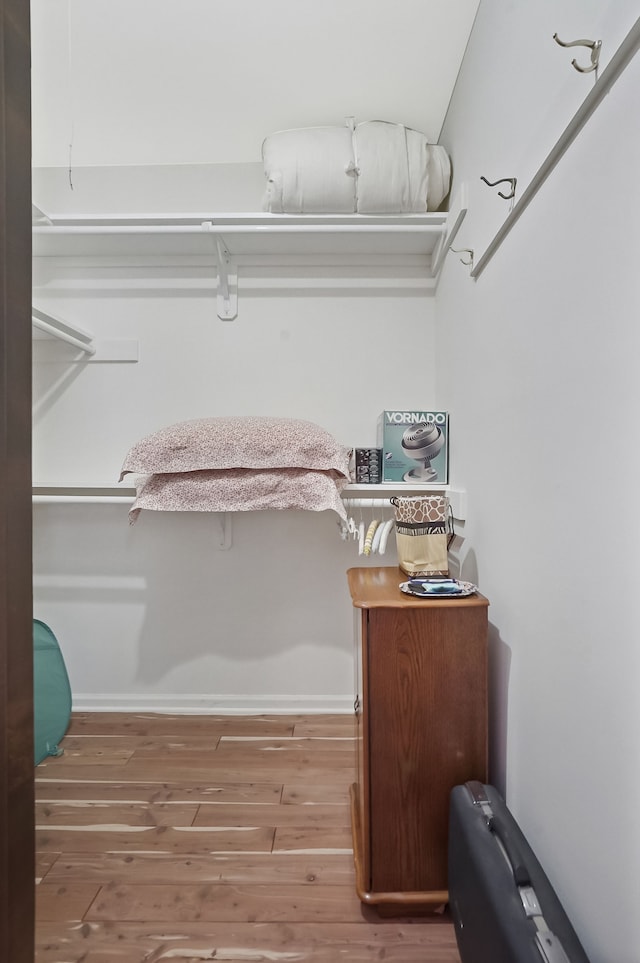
{"x": 425, "y": 698}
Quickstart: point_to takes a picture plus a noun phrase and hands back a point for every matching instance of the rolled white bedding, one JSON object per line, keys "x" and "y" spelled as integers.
{"x": 307, "y": 171}
{"x": 373, "y": 168}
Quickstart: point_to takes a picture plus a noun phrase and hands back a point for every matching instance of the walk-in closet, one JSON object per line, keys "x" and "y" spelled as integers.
{"x": 171, "y": 282}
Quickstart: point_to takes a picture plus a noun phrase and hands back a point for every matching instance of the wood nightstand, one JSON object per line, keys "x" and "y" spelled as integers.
{"x": 421, "y": 722}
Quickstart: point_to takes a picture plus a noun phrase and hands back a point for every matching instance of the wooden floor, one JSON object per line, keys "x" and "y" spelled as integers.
{"x": 189, "y": 838}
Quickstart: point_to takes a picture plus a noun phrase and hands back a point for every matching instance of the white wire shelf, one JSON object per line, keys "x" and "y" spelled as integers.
{"x": 229, "y": 240}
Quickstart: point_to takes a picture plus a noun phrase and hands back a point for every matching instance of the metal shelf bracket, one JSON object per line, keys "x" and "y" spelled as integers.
{"x": 227, "y": 294}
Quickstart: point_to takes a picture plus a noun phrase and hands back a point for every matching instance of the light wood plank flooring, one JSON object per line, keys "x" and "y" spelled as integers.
{"x": 184, "y": 838}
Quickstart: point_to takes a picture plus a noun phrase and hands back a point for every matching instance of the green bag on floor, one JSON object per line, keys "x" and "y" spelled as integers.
{"x": 51, "y": 693}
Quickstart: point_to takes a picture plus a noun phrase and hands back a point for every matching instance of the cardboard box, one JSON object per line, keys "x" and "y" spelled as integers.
{"x": 415, "y": 446}
{"x": 368, "y": 466}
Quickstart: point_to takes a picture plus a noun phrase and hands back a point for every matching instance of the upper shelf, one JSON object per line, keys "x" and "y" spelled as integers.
{"x": 230, "y": 240}
{"x": 243, "y": 234}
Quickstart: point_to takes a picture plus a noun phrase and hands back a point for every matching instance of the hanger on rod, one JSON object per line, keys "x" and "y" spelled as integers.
{"x": 372, "y": 537}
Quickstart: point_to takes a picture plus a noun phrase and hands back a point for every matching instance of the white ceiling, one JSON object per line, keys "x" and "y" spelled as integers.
{"x": 204, "y": 81}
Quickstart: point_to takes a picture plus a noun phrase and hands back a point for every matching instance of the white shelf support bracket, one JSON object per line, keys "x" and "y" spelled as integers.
{"x": 59, "y": 329}
{"x": 455, "y": 217}
{"x": 227, "y": 293}
{"x": 225, "y": 538}
{"x": 38, "y": 216}
{"x": 227, "y": 283}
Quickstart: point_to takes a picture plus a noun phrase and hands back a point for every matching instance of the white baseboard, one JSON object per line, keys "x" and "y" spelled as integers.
{"x": 223, "y": 705}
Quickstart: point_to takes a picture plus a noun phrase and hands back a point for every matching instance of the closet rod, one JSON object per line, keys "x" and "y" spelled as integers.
{"x": 620, "y": 60}
{"x": 84, "y": 499}
{"x": 367, "y": 502}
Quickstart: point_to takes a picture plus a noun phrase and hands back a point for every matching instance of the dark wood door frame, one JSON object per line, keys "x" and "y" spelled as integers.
{"x": 16, "y": 660}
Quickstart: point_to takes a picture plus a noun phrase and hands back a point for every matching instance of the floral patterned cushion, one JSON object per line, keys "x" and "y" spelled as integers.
{"x": 237, "y": 442}
{"x": 240, "y": 489}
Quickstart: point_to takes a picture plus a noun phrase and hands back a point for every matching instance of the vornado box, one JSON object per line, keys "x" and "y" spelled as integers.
{"x": 415, "y": 446}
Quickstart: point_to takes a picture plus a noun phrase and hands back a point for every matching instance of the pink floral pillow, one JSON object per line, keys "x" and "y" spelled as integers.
{"x": 240, "y": 489}
{"x": 237, "y": 442}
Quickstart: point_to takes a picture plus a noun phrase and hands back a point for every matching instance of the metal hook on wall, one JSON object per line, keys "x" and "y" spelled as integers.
{"x": 464, "y": 250}
{"x": 594, "y": 45}
{"x": 504, "y": 180}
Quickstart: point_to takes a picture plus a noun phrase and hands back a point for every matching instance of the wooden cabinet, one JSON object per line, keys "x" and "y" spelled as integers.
{"x": 421, "y": 724}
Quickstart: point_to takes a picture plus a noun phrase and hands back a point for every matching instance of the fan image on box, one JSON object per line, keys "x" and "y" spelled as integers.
{"x": 422, "y": 442}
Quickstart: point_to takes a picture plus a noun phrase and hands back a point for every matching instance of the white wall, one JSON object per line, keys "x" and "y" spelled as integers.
{"x": 155, "y": 614}
{"x": 538, "y": 364}
{"x": 205, "y": 81}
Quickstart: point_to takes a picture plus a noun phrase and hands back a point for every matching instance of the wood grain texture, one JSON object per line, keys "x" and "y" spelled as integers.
{"x": 427, "y": 733}
{"x": 272, "y": 868}
{"x": 277, "y": 942}
{"x": 379, "y": 587}
{"x": 421, "y": 669}
{"x": 176, "y": 858}
{"x": 51, "y": 789}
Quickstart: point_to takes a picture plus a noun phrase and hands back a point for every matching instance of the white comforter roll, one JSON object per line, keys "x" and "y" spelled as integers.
{"x": 392, "y": 163}
{"x": 372, "y": 168}
{"x": 310, "y": 171}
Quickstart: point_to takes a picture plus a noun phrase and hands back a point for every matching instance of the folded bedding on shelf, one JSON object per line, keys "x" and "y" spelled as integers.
{"x": 244, "y": 463}
{"x": 310, "y": 171}
{"x": 240, "y": 490}
{"x": 375, "y": 167}
{"x": 251, "y": 441}
{"x": 393, "y": 164}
